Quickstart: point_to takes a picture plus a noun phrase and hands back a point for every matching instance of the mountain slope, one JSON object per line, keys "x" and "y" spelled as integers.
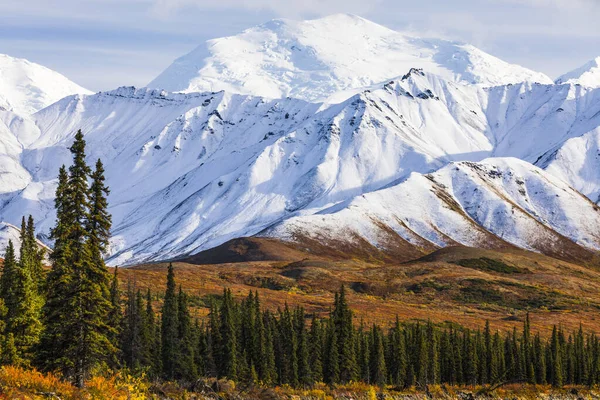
{"x": 586, "y": 75}
{"x": 27, "y": 87}
{"x": 492, "y": 204}
{"x": 314, "y": 59}
{"x": 191, "y": 171}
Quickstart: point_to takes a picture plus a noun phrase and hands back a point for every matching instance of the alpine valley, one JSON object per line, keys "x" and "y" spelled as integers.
{"x": 357, "y": 138}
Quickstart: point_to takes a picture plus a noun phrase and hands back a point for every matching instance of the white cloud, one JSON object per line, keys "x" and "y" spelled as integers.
{"x": 279, "y": 7}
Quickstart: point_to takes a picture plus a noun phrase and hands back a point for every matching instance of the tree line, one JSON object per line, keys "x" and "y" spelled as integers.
{"x": 241, "y": 340}
{"x": 75, "y": 320}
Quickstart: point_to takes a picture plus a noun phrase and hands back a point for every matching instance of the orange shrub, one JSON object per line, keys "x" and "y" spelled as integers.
{"x": 16, "y": 382}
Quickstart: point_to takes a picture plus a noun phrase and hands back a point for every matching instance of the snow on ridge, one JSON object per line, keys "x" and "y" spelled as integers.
{"x": 473, "y": 204}
{"x": 190, "y": 174}
{"x": 314, "y": 59}
{"x": 27, "y": 87}
{"x": 587, "y": 75}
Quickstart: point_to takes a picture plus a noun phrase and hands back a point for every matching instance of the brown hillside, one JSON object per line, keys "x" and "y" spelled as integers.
{"x": 456, "y": 284}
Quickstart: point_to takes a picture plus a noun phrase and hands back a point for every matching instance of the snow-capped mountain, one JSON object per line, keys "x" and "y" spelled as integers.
{"x": 493, "y": 203}
{"x": 586, "y": 75}
{"x": 191, "y": 171}
{"x": 467, "y": 149}
{"x": 27, "y": 87}
{"x": 315, "y": 59}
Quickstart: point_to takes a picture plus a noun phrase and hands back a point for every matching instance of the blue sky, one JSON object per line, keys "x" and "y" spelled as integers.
{"x": 103, "y": 44}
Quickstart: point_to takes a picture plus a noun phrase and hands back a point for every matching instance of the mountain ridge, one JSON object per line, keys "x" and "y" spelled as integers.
{"x": 27, "y": 87}
{"x": 191, "y": 171}
{"x": 204, "y": 168}
{"x": 586, "y": 75}
{"x": 314, "y": 59}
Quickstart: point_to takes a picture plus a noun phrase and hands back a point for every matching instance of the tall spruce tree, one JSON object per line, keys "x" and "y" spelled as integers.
{"x": 378, "y": 369}
{"x": 76, "y": 334}
{"x": 35, "y": 255}
{"x": 154, "y": 336}
{"x": 169, "y": 327}
{"x": 228, "y": 335}
{"x": 185, "y": 367}
{"x": 343, "y": 320}
{"x": 8, "y": 278}
{"x": 22, "y": 299}
{"x": 316, "y": 349}
{"x": 115, "y": 317}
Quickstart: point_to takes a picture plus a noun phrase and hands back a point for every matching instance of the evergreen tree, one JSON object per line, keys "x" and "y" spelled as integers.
{"x": 539, "y": 360}
{"x": 137, "y": 340}
{"x": 8, "y": 279}
{"x": 78, "y": 284}
{"x": 488, "y": 359}
{"x": 316, "y": 349}
{"x": 9, "y": 351}
{"x": 289, "y": 347}
{"x": 153, "y": 336}
{"x": 332, "y": 359}
{"x": 342, "y": 318}
{"x": 270, "y": 374}
{"x": 470, "y": 357}
{"x": 364, "y": 353}
{"x": 32, "y": 256}
{"x": 378, "y": 369}
{"x": 186, "y": 368}
{"x": 433, "y": 354}
{"x": 556, "y": 360}
{"x": 115, "y": 317}
{"x": 214, "y": 343}
{"x": 304, "y": 370}
{"x": 169, "y": 328}
{"x": 228, "y": 334}
{"x": 22, "y": 300}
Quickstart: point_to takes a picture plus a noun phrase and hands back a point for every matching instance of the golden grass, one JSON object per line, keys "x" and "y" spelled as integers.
{"x": 433, "y": 287}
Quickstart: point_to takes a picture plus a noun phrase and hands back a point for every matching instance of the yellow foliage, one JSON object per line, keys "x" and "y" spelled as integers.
{"x": 316, "y": 394}
{"x": 372, "y": 393}
{"x": 121, "y": 386}
{"x": 17, "y": 382}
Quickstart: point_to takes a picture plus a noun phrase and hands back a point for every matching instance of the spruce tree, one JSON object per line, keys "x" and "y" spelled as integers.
{"x": 304, "y": 369}
{"x": 8, "y": 279}
{"x": 228, "y": 334}
{"x": 378, "y": 369}
{"x": 556, "y": 360}
{"x": 332, "y": 359}
{"x": 539, "y": 360}
{"x": 115, "y": 317}
{"x": 214, "y": 343}
{"x": 36, "y": 256}
{"x": 289, "y": 339}
{"x": 364, "y": 353}
{"x": 154, "y": 336}
{"x": 270, "y": 373}
{"x": 78, "y": 284}
{"x": 316, "y": 350}
{"x": 186, "y": 368}
{"x": 22, "y": 300}
{"x": 169, "y": 327}
{"x": 342, "y": 318}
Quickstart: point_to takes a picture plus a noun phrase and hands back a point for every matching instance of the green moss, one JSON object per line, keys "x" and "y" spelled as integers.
{"x": 526, "y": 297}
{"x": 428, "y": 284}
{"x": 490, "y": 265}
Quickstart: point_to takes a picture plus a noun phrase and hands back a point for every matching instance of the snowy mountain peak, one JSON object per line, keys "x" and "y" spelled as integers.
{"x": 314, "y": 59}
{"x": 586, "y": 75}
{"x": 27, "y": 87}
